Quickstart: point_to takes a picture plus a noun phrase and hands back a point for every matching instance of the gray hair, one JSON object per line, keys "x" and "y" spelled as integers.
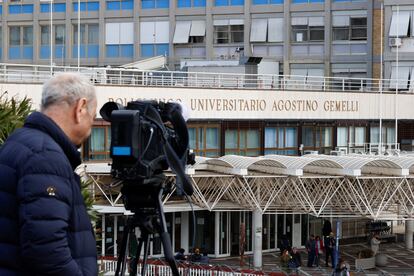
{"x": 66, "y": 88}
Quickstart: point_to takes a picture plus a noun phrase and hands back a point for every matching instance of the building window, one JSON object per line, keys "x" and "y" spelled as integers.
{"x": 20, "y": 8}
{"x": 118, "y": 45}
{"x": 307, "y": 1}
{"x": 58, "y": 43}
{"x": 242, "y": 142}
{"x": 306, "y": 29}
{"x": 267, "y": 2}
{"x": 120, "y": 5}
{"x": 402, "y": 24}
{"x": 21, "y": 42}
{"x": 354, "y": 28}
{"x": 281, "y": 140}
{"x": 267, "y": 30}
{"x": 402, "y": 78}
{"x": 189, "y": 32}
{"x": 155, "y": 4}
{"x": 154, "y": 38}
{"x": 228, "y": 34}
{"x": 351, "y": 137}
{"x": 388, "y": 135}
{"x": 89, "y": 41}
{"x": 57, "y": 7}
{"x": 86, "y": 6}
{"x": 191, "y": 3}
{"x": 205, "y": 140}
{"x": 228, "y": 3}
{"x": 99, "y": 143}
{"x": 317, "y": 138}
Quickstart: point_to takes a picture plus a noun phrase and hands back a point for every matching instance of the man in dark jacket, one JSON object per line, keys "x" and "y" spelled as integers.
{"x": 45, "y": 229}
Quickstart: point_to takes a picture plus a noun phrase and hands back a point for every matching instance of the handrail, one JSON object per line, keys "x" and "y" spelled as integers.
{"x": 28, "y": 73}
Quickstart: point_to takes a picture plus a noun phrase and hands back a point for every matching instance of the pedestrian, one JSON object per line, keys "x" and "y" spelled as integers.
{"x": 297, "y": 259}
{"x": 311, "y": 249}
{"x": 342, "y": 269}
{"x": 329, "y": 249}
{"x": 180, "y": 255}
{"x": 196, "y": 257}
{"x": 46, "y": 229}
{"x": 375, "y": 242}
{"x": 319, "y": 250}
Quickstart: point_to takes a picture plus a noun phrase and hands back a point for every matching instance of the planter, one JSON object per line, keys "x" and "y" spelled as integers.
{"x": 381, "y": 260}
{"x": 366, "y": 263}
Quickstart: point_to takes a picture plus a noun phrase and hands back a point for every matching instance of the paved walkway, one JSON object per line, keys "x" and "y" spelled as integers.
{"x": 400, "y": 261}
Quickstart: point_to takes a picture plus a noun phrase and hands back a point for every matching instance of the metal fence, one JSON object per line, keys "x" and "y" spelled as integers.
{"x": 26, "y": 73}
{"x": 108, "y": 267}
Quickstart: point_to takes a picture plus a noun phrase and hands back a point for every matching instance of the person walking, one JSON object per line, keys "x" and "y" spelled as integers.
{"x": 375, "y": 242}
{"x": 329, "y": 249}
{"x": 311, "y": 248}
{"x": 319, "y": 250}
{"x": 45, "y": 228}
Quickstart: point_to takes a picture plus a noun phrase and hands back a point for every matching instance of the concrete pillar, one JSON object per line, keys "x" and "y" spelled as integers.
{"x": 184, "y": 231}
{"x": 257, "y": 242}
{"x": 409, "y": 231}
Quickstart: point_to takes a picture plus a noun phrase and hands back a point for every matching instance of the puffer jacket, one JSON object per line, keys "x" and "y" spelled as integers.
{"x": 44, "y": 226}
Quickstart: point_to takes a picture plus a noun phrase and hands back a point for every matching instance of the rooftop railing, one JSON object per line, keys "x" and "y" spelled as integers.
{"x": 26, "y": 73}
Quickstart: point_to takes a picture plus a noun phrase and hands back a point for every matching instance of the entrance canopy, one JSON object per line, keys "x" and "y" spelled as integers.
{"x": 378, "y": 187}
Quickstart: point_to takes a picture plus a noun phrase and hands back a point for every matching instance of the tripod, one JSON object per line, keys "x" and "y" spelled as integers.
{"x": 150, "y": 219}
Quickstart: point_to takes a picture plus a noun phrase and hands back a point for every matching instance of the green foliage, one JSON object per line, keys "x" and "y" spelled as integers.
{"x": 88, "y": 198}
{"x": 13, "y": 112}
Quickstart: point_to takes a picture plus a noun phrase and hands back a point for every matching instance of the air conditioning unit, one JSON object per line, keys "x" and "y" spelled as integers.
{"x": 337, "y": 152}
{"x": 395, "y": 42}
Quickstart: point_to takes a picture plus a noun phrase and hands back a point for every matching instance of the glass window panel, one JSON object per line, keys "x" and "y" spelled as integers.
{"x": 231, "y": 139}
{"x": 97, "y": 140}
{"x": 253, "y": 138}
{"x": 390, "y": 135}
{"x": 60, "y": 34}
{"x": 316, "y": 34}
{"x": 242, "y": 137}
{"x": 341, "y": 34}
{"x": 201, "y": 138}
{"x": 28, "y": 35}
{"x": 351, "y": 134}
{"x": 82, "y": 34}
{"x": 270, "y": 137}
{"x": 212, "y": 138}
{"x": 221, "y": 34}
{"x": 374, "y": 135}
{"x": 192, "y": 138}
{"x": 342, "y": 136}
{"x": 237, "y": 33}
{"x": 307, "y": 138}
{"x": 326, "y": 136}
{"x": 93, "y": 34}
{"x": 299, "y": 33}
{"x": 358, "y": 21}
{"x": 359, "y": 33}
{"x": 291, "y": 137}
{"x": 14, "y": 36}
{"x": 359, "y": 136}
{"x": 317, "y": 137}
{"x": 44, "y": 35}
{"x": 281, "y": 138}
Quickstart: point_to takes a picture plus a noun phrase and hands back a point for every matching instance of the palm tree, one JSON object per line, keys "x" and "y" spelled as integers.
{"x": 13, "y": 112}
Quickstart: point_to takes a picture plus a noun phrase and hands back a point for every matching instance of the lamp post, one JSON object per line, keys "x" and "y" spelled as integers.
{"x": 51, "y": 37}
{"x": 79, "y": 34}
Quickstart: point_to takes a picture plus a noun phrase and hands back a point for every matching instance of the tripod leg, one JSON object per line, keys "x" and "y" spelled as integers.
{"x": 122, "y": 254}
{"x": 146, "y": 251}
{"x": 165, "y": 238}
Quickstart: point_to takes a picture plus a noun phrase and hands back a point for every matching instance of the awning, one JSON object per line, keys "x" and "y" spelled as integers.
{"x": 399, "y": 24}
{"x": 258, "y": 31}
{"x": 182, "y": 32}
{"x": 275, "y": 30}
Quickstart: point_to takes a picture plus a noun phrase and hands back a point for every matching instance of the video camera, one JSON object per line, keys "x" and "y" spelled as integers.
{"x": 147, "y": 138}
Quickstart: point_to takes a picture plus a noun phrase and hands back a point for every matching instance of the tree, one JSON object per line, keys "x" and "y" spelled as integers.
{"x": 13, "y": 112}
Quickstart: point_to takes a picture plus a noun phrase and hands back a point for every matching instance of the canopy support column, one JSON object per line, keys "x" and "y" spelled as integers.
{"x": 257, "y": 233}
{"x": 409, "y": 231}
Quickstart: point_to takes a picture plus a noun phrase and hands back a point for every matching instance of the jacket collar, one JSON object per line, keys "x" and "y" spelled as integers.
{"x": 39, "y": 121}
